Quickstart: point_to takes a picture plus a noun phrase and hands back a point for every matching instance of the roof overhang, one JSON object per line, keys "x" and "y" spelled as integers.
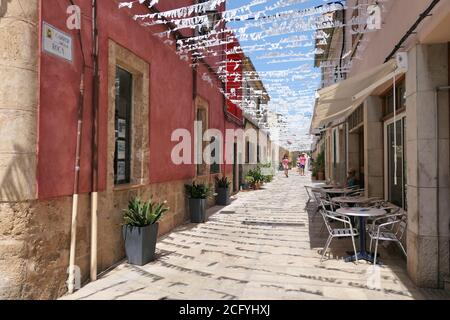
{"x": 341, "y": 99}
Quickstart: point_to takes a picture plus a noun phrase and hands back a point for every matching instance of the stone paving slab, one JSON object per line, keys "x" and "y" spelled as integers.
{"x": 264, "y": 246}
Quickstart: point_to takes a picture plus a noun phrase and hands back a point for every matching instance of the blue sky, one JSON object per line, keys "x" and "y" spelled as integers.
{"x": 292, "y": 92}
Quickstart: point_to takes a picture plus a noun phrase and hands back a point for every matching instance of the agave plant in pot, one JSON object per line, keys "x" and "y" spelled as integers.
{"x": 198, "y": 195}
{"x": 140, "y": 230}
{"x": 223, "y": 191}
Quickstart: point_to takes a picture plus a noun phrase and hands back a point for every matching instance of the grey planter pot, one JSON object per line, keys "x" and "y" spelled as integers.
{"x": 197, "y": 208}
{"x": 223, "y": 196}
{"x": 140, "y": 243}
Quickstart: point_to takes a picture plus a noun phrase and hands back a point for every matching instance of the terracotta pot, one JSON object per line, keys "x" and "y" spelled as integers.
{"x": 320, "y": 176}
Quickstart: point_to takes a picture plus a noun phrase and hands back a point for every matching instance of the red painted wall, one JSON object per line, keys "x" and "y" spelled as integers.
{"x": 234, "y": 77}
{"x": 170, "y": 101}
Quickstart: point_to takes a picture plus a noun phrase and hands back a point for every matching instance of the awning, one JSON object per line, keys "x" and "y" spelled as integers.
{"x": 341, "y": 99}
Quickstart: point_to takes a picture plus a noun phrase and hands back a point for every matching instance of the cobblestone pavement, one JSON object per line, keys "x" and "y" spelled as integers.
{"x": 264, "y": 245}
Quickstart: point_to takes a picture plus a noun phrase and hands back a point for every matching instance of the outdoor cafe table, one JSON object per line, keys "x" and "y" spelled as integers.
{"x": 352, "y": 201}
{"x": 338, "y": 191}
{"x": 362, "y": 214}
{"x": 323, "y": 186}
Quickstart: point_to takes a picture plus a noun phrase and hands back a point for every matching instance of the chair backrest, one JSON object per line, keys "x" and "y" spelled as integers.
{"x": 326, "y": 204}
{"x": 402, "y": 225}
{"x": 317, "y": 195}
{"x": 309, "y": 192}
{"x": 326, "y": 221}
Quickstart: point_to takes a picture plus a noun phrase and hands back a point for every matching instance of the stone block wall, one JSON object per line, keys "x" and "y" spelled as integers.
{"x": 34, "y": 255}
{"x": 18, "y": 99}
{"x": 428, "y": 165}
{"x": 373, "y": 147}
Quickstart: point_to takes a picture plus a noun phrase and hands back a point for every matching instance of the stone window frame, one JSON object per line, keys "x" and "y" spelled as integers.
{"x": 203, "y": 104}
{"x": 119, "y": 56}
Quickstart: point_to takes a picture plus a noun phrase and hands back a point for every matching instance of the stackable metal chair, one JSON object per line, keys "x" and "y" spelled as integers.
{"x": 356, "y": 193}
{"x": 347, "y": 232}
{"x": 310, "y": 195}
{"x": 388, "y": 228}
{"x": 317, "y": 195}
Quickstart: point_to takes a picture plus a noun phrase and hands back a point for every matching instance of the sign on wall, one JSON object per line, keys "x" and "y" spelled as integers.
{"x": 56, "y": 42}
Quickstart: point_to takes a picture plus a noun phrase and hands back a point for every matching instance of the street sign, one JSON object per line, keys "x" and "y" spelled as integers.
{"x": 56, "y": 42}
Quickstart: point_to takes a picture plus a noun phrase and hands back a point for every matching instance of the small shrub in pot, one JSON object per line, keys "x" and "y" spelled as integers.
{"x": 223, "y": 191}
{"x": 140, "y": 231}
{"x": 198, "y": 195}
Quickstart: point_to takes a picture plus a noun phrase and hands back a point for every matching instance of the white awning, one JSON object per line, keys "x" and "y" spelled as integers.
{"x": 341, "y": 99}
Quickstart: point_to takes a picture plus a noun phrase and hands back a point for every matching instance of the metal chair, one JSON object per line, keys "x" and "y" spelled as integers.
{"x": 310, "y": 195}
{"x": 347, "y": 232}
{"x": 317, "y": 195}
{"x": 388, "y": 228}
{"x": 356, "y": 193}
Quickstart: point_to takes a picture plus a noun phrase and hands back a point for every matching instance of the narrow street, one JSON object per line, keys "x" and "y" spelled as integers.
{"x": 264, "y": 245}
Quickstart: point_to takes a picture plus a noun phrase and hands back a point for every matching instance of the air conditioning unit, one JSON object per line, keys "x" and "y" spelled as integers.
{"x": 402, "y": 60}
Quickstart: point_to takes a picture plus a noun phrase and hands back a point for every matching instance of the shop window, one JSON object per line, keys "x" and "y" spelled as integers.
{"x": 215, "y": 167}
{"x": 388, "y": 99}
{"x": 247, "y": 152}
{"x": 123, "y": 119}
{"x": 128, "y": 119}
{"x": 202, "y": 117}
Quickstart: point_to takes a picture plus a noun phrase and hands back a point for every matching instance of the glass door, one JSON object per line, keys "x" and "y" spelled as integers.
{"x": 396, "y": 162}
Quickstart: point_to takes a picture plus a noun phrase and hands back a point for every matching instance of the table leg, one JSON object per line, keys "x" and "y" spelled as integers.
{"x": 362, "y": 254}
{"x": 362, "y": 234}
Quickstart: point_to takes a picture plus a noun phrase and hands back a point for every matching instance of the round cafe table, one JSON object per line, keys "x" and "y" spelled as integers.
{"x": 352, "y": 201}
{"x": 323, "y": 186}
{"x": 362, "y": 214}
{"x": 338, "y": 191}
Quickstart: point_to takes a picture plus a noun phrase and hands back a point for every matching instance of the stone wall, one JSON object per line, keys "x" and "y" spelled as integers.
{"x": 428, "y": 169}
{"x": 34, "y": 256}
{"x": 373, "y": 147}
{"x": 18, "y": 99}
{"x": 18, "y": 126}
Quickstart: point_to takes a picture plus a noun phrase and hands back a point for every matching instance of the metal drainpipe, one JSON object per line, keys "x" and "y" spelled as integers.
{"x": 411, "y": 30}
{"x": 73, "y": 229}
{"x": 438, "y": 89}
{"x": 80, "y": 114}
{"x": 94, "y": 195}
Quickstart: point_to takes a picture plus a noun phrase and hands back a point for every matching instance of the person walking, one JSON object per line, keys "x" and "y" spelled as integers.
{"x": 285, "y": 163}
{"x": 301, "y": 163}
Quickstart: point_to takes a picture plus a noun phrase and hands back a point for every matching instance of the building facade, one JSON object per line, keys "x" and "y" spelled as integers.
{"x": 389, "y": 120}
{"x": 126, "y": 114}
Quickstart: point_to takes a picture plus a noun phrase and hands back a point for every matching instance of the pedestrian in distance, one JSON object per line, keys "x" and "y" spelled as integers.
{"x": 301, "y": 163}
{"x": 285, "y": 163}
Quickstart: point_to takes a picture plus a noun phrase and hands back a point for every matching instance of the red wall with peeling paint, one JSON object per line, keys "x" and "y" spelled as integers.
{"x": 171, "y": 98}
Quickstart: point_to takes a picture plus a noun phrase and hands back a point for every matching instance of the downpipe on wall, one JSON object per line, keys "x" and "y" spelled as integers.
{"x": 76, "y": 185}
{"x": 94, "y": 194}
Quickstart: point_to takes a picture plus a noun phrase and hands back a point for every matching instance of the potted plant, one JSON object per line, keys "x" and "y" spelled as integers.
{"x": 198, "y": 195}
{"x": 257, "y": 178}
{"x": 249, "y": 181}
{"x": 314, "y": 174}
{"x": 320, "y": 166}
{"x": 267, "y": 173}
{"x": 140, "y": 230}
{"x": 223, "y": 191}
